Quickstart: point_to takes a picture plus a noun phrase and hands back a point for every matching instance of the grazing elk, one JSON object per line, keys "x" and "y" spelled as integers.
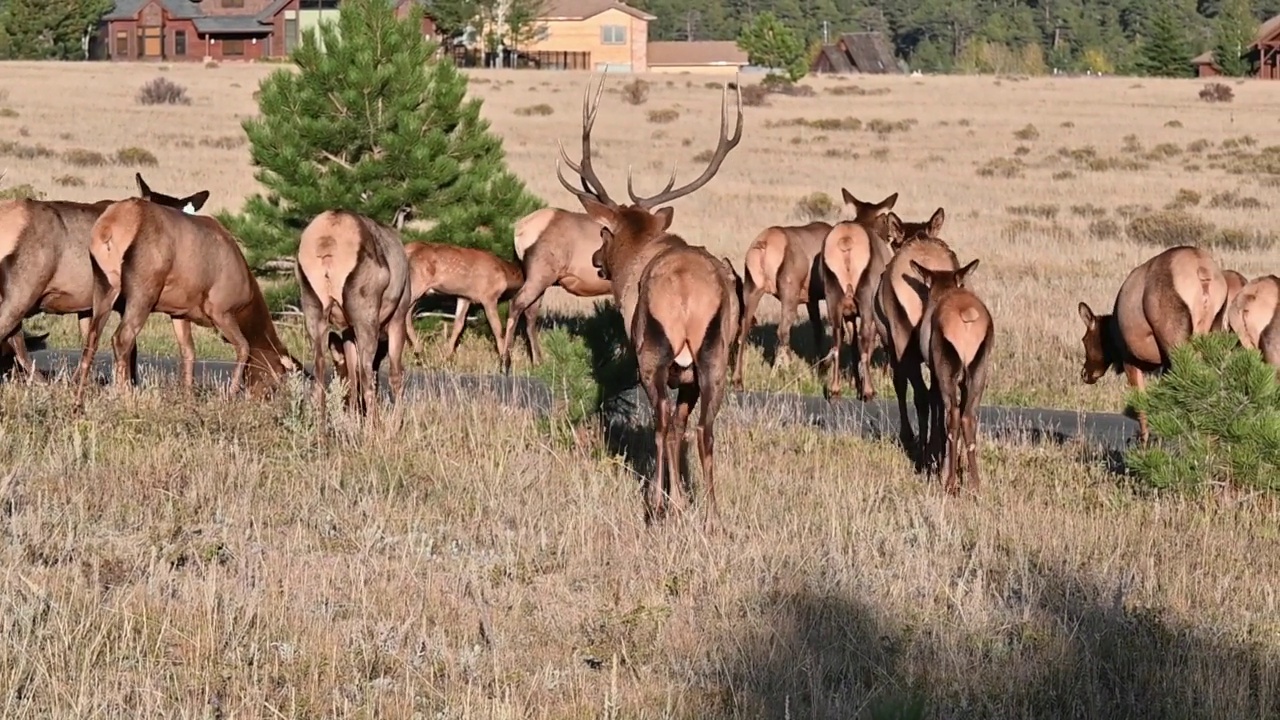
{"x": 555, "y": 246}
{"x": 1235, "y": 283}
{"x": 1161, "y": 303}
{"x": 1252, "y": 315}
{"x": 780, "y": 262}
{"x": 899, "y": 307}
{"x": 354, "y": 274}
{"x": 45, "y": 264}
{"x": 469, "y": 274}
{"x": 155, "y": 258}
{"x": 956, "y": 339}
{"x": 679, "y": 304}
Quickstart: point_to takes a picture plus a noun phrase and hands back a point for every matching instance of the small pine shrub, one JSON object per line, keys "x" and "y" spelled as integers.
{"x": 1214, "y": 419}
{"x": 163, "y": 91}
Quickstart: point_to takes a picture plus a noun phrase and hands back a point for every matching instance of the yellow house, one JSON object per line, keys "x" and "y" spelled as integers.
{"x": 591, "y": 34}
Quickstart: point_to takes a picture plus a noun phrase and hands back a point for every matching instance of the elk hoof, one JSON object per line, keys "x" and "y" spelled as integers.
{"x": 868, "y": 395}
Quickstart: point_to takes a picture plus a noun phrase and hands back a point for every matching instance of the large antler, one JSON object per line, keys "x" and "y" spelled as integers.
{"x": 726, "y": 144}
{"x": 591, "y": 185}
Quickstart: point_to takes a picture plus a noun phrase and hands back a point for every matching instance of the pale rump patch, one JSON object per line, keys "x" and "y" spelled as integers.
{"x": 113, "y": 234}
{"x": 962, "y": 323}
{"x": 846, "y": 252}
{"x": 327, "y": 255}
{"x": 1253, "y": 309}
{"x": 970, "y": 314}
{"x": 530, "y": 227}
{"x": 1200, "y": 285}
{"x": 14, "y": 217}
{"x": 685, "y": 357}
{"x": 764, "y": 259}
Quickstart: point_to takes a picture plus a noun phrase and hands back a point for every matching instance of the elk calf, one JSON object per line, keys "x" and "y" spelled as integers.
{"x": 154, "y": 258}
{"x": 354, "y": 274}
{"x": 1252, "y": 315}
{"x": 956, "y": 339}
{"x": 469, "y": 274}
{"x": 1164, "y": 301}
{"x": 680, "y": 306}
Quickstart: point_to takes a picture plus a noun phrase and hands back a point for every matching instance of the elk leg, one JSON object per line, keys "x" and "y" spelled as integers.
{"x": 490, "y": 308}
{"x": 530, "y": 332}
{"x": 136, "y": 310}
{"x": 866, "y": 344}
{"x": 953, "y": 438}
{"x": 529, "y": 294}
{"x": 411, "y": 333}
{"x": 905, "y": 434}
{"x": 787, "y": 292}
{"x": 686, "y": 397}
{"x": 230, "y": 329}
{"x": 12, "y": 313}
{"x": 815, "y": 320}
{"x": 459, "y": 322}
{"x": 1137, "y": 380}
{"x": 653, "y": 378}
{"x": 19, "y": 344}
{"x": 187, "y": 349}
{"x": 923, "y": 402}
{"x": 837, "y": 340}
{"x": 750, "y": 305}
{"x": 103, "y": 300}
{"x": 366, "y": 345}
{"x": 351, "y": 363}
{"x": 712, "y": 386}
{"x": 396, "y": 337}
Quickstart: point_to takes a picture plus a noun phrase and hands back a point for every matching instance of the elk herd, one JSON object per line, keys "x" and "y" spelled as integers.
{"x": 886, "y": 283}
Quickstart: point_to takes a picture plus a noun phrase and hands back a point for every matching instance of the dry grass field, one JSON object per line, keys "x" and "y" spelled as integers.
{"x": 164, "y": 556}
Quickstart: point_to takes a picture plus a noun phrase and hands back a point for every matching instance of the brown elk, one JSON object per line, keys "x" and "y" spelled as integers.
{"x": 780, "y": 262}
{"x": 956, "y": 339}
{"x": 679, "y": 305}
{"x": 900, "y": 232}
{"x": 1252, "y": 315}
{"x": 555, "y": 246}
{"x": 899, "y": 307}
{"x": 354, "y": 274}
{"x": 1235, "y": 283}
{"x": 155, "y": 258}
{"x": 469, "y": 274}
{"x": 44, "y": 260}
{"x": 1161, "y": 303}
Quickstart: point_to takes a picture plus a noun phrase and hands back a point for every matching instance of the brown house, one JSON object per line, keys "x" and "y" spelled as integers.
{"x": 1264, "y": 53}
{"x": 216, "y": 29}
{"x": 860, "y": 52}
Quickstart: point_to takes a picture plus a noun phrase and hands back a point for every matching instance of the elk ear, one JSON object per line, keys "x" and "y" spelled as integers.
{"x": 935, "y": 222}
{"x": 144, "y": 191}
{"x": 192, "y": 203}
{"x": 599, "y": 212}
{"x": 893, "y": 224}
{"x": 1087, "y": 315}
{"x": 925, "y": 272}
{"x": 665, "y": 215}
{"x": 887, "y": 203}
{"x": 963, "y": 272}
{"x": 606, "y": 235}
{"x": 849, "y": 199}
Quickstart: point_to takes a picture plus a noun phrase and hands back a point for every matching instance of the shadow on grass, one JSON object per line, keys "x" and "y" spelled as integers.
{"x": 805, "y": 347}
{"x": 1067, "y": 646}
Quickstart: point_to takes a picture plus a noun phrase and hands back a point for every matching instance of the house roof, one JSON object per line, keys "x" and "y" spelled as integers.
{"x": 1267, "y": 31}
{"x": 835, "y": 61}
{"x": 583, "y": 9}
{"x": 706, "y": 52}
{"x": 231, "y": 24}
{"x": 1204, "y": 58}
{"x": 129, "y": 9}
{"x": 869, "y": 52}
{"x": 189, "y": 10}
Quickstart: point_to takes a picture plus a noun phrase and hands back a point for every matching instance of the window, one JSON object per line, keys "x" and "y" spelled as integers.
{"x": 613, "y": 34}
{"x": 122, "y": 44}
{"x": 180, "y": 43}
{"x": 232, "y": 48}
{"x": 232, "y": 3}
{"x": 290, "y": 34}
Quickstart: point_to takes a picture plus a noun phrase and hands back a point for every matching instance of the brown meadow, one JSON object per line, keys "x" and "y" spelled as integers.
{"x": 174, "y": 556}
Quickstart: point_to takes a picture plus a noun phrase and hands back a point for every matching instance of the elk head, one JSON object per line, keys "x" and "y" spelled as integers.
{"x": 899, "y": 233}
{"x": 189, "y": 204}
{"x": 864, "y": 212}
{"x": 638, "y": 223}
{"x": 937, "y": 280}
{"x": 1099, "y": 352}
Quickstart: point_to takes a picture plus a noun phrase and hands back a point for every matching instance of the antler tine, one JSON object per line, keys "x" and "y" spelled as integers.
{"x": 591, "y": 185}
{"x": 670, "y": 183}
{"x": 726, "y": 144}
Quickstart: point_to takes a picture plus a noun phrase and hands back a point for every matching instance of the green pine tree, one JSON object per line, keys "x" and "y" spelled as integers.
{"x": 49, "y": 29}
{"x": 770, "y": 43}
{"x": 370, "y": 124}
{"x": 1165, "y": 51}
{"x": 1233, "y": 31}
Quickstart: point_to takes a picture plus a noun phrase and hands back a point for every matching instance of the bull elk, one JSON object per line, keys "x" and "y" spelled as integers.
{"x": 1161, "y": 303}
{"x": 354, "y": 274}
{"x": 899, "y": 307}
{"x": 45, "y": 264}
{"x": 468, "y": 274}
{"x": 680, "y": 306}
{"x": 956, "y": 338}
{"x": 556, "y": 246}
{"x": 156, "y": 258}
{"x": 780, "y": 262}
{"x": 1252, "y": 315}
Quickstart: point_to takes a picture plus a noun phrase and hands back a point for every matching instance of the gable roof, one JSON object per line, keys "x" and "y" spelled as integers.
{"x": 1267, "y": 31}
{"x": 583, "y": 9}
{"x": 869, "y": 52}
{"x": 129, "y": 9}
{"x": 707, "y": 52}
{"x": 834, "y": 60}
{"x": 189, "y": 10}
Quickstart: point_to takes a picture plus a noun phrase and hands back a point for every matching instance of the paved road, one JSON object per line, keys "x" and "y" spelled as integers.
{"x": 1110, "y": 432}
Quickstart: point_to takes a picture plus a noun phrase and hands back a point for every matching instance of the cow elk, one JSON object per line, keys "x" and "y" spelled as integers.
{"x": 555, "y": 246}
{"x": 679, "y": 304}
{"x": 780, "y": 262}
{"x": 45, "y": 264}
{"x": 1163, "y": 302}
{"x": 901, "y": 232}
{"x": 354, "y": 274}
{"x": 899, "y": 307}
{"x": 1252, "y": 315}
{"x": 853, "y": 256}
{"x": 156, "y": 258}
{"x": 1235, "y": 283}
{"x": 956, "y": 338}
{"x": 468, "y": 274}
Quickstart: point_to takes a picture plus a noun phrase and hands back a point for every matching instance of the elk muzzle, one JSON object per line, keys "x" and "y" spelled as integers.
{"x": 597, "y": 259}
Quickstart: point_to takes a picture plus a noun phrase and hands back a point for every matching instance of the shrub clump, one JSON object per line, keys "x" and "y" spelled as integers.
{"x": 664, "y": 116}
{"x": 79, "y": 157}
{"x": 1214, "y": 419}
{"x": 163, "y": 91}
{"x": 136, "y": 157}
{"x": 755, "y": 95}
{"x": 1028, "y": 133}
{"x": 816, "y": 206}
{"x": 1217, "y": 92}
{"x": 541, "y": 109}
{"x": 636, "y": 92}
{"x": 1169, "y": 228}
